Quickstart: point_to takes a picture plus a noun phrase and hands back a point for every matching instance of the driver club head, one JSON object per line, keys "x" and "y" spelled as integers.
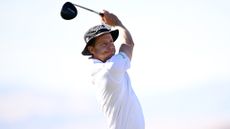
{"x": 68, "y": 11}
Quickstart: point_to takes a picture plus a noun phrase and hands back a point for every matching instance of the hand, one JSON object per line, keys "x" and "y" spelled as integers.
{"x": 110, "y": 19}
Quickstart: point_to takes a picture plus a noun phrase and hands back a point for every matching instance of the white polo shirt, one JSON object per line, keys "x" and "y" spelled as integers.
{"x": 115, "y": 94}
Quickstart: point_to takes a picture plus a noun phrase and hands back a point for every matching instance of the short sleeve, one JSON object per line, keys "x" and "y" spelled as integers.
{"x": 118, "y": 65}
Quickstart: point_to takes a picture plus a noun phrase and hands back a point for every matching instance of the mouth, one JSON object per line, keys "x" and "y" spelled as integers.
{"x": 109, "y": 54}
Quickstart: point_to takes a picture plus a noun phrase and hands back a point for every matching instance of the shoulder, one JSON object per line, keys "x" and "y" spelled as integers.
{"x": 121, "y": 56}
{"x": 117, "y": 62}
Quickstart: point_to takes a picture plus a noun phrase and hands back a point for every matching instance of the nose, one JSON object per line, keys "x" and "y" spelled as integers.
{"x": 111, "y": 46}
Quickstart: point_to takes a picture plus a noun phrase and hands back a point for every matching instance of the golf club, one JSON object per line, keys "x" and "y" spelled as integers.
{"x": 69, "y": 11}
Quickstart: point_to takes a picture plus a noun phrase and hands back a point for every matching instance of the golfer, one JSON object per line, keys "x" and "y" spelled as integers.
{"x": 117, "y": 99}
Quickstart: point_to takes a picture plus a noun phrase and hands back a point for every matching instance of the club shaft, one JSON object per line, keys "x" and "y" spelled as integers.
{"x": 87, "y": 9}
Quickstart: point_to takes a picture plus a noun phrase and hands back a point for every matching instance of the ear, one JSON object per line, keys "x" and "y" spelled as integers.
{"x": 91, "y": 49}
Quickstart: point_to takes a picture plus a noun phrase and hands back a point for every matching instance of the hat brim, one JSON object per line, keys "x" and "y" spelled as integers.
{"x": 114, "y": 33}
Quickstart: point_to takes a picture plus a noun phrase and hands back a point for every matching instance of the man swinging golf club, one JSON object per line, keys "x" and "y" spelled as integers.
{"x": 109, "y": 73}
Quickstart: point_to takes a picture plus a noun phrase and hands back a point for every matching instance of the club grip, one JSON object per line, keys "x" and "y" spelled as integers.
{"x": 101, "y": 14}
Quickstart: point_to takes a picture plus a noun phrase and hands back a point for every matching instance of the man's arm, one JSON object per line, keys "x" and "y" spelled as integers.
{"x": 126, "y": 38}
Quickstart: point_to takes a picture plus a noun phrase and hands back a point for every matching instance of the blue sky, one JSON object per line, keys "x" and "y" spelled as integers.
{"x": 180, "y": 70}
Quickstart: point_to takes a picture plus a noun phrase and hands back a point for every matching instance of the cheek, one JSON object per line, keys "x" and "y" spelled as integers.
{"x": 100, "y": 50}
{"x": 105, "y": 50}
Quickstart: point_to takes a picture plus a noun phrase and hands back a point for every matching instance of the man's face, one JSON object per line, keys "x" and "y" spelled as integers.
{"x": 104, "y": 47}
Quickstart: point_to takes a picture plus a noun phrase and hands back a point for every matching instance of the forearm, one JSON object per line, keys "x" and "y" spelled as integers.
{"x": 127, "y": 43}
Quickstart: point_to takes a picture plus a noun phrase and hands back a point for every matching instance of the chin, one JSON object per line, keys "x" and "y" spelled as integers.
{"x": 109, "y": 56}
